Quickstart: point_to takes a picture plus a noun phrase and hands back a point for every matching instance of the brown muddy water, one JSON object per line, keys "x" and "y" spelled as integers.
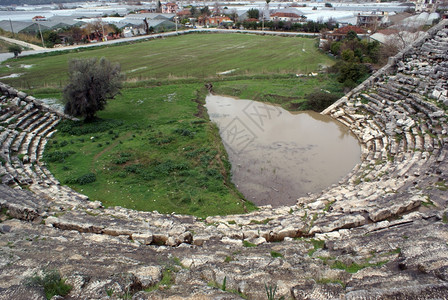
{"x": 278, "y": 156}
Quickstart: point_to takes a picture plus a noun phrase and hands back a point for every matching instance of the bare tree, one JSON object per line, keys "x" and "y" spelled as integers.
{"x": 217, "y": 9}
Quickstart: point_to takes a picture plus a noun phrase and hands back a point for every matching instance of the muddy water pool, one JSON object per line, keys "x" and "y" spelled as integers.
{"x": 278, "y": 156}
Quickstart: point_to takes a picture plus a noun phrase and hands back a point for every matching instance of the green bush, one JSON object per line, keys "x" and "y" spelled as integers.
{"x": 52, "y": 283}
{"x": 124, "y": 158}
{"x": 57, "y": 156}
{"x": 81, "y": 128}
{"x": 184, "y": 132}
{"x": 86, "y": 178}
{"x": 16, "y": 49}
{"x": 318, "y": 101}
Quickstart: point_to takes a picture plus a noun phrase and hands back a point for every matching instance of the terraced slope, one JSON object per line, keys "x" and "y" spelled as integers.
{"x": 381, "y": 233}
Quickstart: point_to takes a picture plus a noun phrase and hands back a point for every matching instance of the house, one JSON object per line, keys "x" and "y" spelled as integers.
{"x": 373, "y": 20}
{"x": 184, "y": 14}
{"x": 287, "y": 17}
{"x": 132, "y": 27}
{"x": 423, "y": 5}
{"x": 213, "y": 21}
{"x": 169, "y": 8}
{"x": 340, "y": 33}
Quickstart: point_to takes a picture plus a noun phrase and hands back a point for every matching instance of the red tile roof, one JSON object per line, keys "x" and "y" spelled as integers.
{"x": 346, "y": 29}
{"x": 285, "y": 15}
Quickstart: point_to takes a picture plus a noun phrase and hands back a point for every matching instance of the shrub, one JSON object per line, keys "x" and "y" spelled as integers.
{"x": 16, "y": 49}
{"x": 52, "y": 283}
{"x": 318, "y": 101}
{"x": 184, "y": 132}
{"x": 57, "y": 156}
{"x": 86, "y": 178}
{"x": 170, "y": 166}
{"x": 124, "y": 158}
{"x": 81, "y": 128}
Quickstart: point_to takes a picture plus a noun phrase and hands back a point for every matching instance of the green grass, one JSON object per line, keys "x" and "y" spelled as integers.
{"x": 248, "y": 244}
{"x": 275, "y": 254}
{"x": 51, "y": 282}
{"x": 354, "y": 267}
{"x": 287, "y": 91}
{"x": 154, "y": 147}
{"x": 194, "y": 56}
{"x": 329, "y": 280}
{"x": 317, "y": 244}
{"x": 149, "y": 152}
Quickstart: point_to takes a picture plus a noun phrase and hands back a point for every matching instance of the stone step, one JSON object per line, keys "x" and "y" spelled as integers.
{"x": 5, "y": 114}
{"x": 22, "y": 204}
{"x": 48, "y": 174}
{"x": 49, "y": 180}
{"x": 25, "y": 123}
{"x": 410, "y": 141}
{"x": 25, "y": 117}
{"x": 6, "y": 145}
{"x": 18, "y": 141}
{"x": 49, "y": 123}
{"x": 379, "y": 98}
{"x": 33, "y": 149}
{"x": 4, "y": 135}
{"x": 37, "y": 123}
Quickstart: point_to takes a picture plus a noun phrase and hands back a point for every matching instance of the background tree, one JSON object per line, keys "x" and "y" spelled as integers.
{"x": 233, "y": 15}
{"x": 205, "y": 11}
{"x": 217, "y": 10}
{"x": 16, "y": 49}
{"x": 253, "y": 13}
{"x": 76, "y": 33}
{"x": 91, "y": 83}
{"x": 194, "y": 12}
{"x": 51, "y": 38}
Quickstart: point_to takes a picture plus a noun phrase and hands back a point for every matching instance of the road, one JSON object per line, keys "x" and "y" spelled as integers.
{"x": 37, "y": 49}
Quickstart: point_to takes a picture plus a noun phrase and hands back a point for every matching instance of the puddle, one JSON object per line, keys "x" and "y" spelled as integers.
{"x": 227, "y": 72}
{"x": 26, "y": 66}
{"x": 135, "y": 70}
{"x": 54, "y": 103}
{"x": 14, "y": 75}
{"x": 170, "y": 97}
{"x": 278, "y": 156}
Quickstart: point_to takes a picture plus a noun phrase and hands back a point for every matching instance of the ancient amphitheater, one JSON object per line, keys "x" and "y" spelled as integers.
{"x": 381, "y": 233}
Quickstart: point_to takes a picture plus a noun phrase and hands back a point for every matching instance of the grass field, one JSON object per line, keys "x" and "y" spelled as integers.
{"x": 194, "y": 56}
{"x": 153, "y": 147}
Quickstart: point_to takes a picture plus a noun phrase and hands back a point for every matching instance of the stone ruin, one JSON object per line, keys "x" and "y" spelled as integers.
{"x": 380, "y": 233}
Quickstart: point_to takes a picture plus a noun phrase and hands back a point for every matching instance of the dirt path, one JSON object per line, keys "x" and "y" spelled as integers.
{"x": 21, "y": 43}
{"x": 96, "y": 157}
